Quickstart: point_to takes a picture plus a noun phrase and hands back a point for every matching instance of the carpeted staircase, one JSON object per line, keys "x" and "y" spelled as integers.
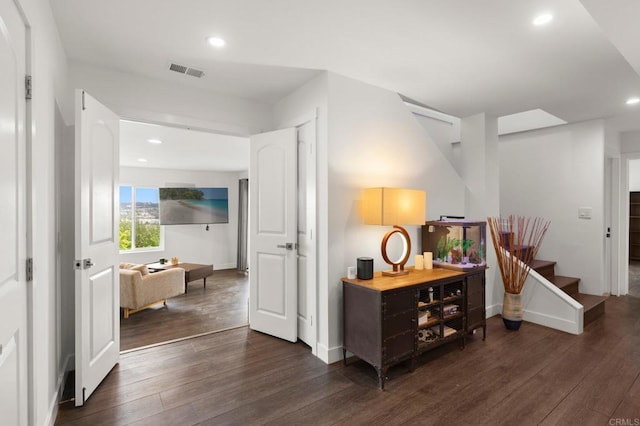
{"x": 593, "y": 305}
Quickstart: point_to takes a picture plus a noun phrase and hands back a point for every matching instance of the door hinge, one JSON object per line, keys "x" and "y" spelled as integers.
{"x": 27, "y": 87}
{"x": 83, "y": 105}
{"x": 30, "y": 269}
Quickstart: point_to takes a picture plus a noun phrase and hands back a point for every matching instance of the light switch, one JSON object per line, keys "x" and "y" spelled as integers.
{"x": 584, "y": 212}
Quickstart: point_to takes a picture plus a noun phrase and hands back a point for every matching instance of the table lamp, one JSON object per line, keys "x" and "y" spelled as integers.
{"x": 394, "y": 206}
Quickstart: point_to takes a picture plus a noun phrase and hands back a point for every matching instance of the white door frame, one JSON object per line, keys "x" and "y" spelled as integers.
{"x": 612, "y": 220}
{"x": 623, "y": 240}
{"x": 312, "y": 219}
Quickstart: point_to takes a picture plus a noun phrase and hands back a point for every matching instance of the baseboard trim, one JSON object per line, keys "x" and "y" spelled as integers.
{"x": 224, "y": 266}
{"x": 494, "y": 310}
{"x": 329, "y": 355}
{"x": 55, "y": 399}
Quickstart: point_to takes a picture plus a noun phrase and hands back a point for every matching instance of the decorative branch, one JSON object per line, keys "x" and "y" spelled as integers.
{"x": 516, "y": 241}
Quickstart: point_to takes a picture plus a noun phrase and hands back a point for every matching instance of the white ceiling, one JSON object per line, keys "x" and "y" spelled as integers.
{"x": 181, "y": 149}
{"x": 458, "y": 56}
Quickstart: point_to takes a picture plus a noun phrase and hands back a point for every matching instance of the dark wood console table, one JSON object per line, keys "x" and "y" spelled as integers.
{"x": 192, "y": 271}
{"x": 388, "y": 320}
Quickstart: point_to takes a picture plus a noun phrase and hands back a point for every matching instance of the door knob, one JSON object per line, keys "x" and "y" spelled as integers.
{"x": 288, "y": 246}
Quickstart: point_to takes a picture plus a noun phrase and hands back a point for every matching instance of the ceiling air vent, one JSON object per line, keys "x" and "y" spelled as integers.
{"x": 183, "y": 69}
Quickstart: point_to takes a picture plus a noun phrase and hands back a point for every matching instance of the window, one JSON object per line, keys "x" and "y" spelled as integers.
{"x": 139, "y": 218}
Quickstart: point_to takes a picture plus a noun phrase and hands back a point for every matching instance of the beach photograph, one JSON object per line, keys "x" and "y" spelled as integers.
{"x": 180, "y": 206}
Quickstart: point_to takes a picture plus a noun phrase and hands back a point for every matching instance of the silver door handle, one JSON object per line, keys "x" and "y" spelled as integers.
{"x": 83, "y": 264}
{"x": 288, "y": 246}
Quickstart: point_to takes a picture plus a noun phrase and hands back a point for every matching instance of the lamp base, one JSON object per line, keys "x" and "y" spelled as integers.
{"x": 395, "y": 273}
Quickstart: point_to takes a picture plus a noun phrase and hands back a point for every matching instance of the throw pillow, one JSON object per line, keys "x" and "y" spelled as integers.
{"x": 142, "y": 268}
{"x": 125, "y": 265}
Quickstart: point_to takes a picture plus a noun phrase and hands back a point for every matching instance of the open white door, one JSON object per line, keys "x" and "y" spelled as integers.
{"x": 13, "y": 247}
{"x": 273, "y": 234}
{"x": 97, "y": 292}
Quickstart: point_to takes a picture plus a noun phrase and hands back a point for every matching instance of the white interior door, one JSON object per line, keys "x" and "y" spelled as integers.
{"x": 273, "y": 234}
{"x": 97, "y": 294}
{"x": 13, "y": 286}
{"x": 306, "y": 237}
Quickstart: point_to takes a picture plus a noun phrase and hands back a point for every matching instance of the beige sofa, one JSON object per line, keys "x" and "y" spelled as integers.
{"x": 140, "y": 289}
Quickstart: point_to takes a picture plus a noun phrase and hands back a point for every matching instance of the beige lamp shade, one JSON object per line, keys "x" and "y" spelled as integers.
{"x": 394, "y": 206}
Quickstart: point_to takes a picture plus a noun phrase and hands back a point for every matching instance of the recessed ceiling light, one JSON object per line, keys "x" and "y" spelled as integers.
{"x": 142, "y": 160}
{"x": 543, "y": 19}
{"x": 633, "y": 101}
{"x": 216, "y": 42}
{"x": 154, "y": 141}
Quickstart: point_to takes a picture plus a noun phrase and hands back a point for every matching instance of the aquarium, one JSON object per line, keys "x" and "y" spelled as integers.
{"x": 456, "y": 243}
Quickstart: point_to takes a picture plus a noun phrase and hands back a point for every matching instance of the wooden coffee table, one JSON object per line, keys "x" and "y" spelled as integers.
{"x": 192, "y": 271}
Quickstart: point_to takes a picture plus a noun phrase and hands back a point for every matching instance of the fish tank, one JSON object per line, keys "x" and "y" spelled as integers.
{"x": 456, "y": 244}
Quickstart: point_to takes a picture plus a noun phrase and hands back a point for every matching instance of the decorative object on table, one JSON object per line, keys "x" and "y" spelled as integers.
{"x": 351, "y": 272}
{"x": 419, "y": 262}
{"x": 456, "y": 244}
{"x": 163, "y": 261}
{"x": 175, "y": 261}
{"x": 428, "y": 260}
{"x": 516, "y": 241}
{"x": 365, "y": 268}
{"x": 394, "y": 206}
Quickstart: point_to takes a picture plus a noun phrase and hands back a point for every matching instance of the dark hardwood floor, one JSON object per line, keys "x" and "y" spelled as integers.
{"x": 239, "y": 377}
{"x": 221, "y": 305}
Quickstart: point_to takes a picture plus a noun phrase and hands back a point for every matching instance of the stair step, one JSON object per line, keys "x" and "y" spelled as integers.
{"x": 546, "y": 268}
{"x": 593, "y": 306}
{"x": 567, "y": 284}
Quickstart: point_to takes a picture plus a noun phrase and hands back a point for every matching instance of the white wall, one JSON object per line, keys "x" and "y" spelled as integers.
{"x": 550, "y": 173}
{"x": 630, "y": 142}
{"x": 481, "y": 171}
{"x": 191, "y": 243}
{"x": 444, "y": 134}
{"x": 143, "y": 99}
{"x": 634, "y": 175}
{"x": 374, "y": 140}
